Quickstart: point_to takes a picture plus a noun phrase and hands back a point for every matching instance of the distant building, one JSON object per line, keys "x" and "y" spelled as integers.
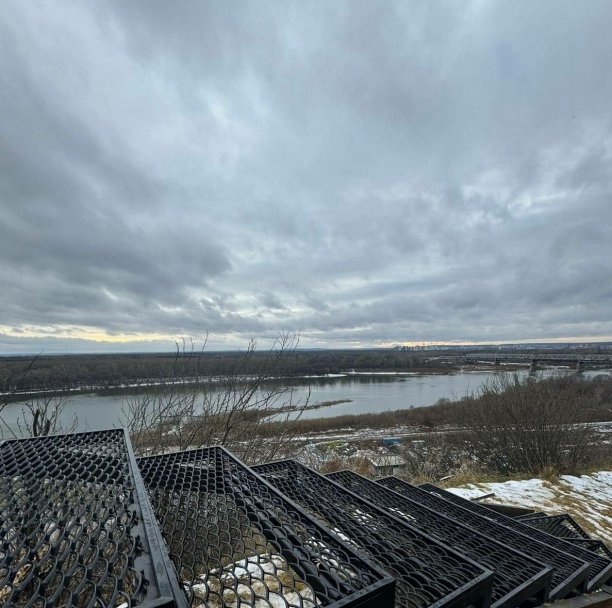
{"x": 387, "y": 464}
{"x": 391, "y": 441}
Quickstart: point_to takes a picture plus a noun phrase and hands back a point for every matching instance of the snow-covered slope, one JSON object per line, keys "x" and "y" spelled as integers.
{"x": 587, "y": 498}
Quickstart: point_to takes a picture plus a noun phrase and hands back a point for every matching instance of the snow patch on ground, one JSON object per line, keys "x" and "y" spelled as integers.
{"x": 588, "y": 498}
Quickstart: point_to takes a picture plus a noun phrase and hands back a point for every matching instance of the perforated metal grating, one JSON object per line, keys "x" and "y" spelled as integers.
{"x": 563, "y": 526}
{"x": 530, "y": 516}
{"x": 76, "y": 527}
{"x": 517, "y": 578}
{"x": 569, "y": 574}
{"x": 596, "y": 546}
{"x": 236, "y": 541}
{"x": 427, "y": 572}
{"x": 600, "y": 570}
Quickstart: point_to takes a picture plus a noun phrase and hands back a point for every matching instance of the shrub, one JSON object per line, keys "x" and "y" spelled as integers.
{"x": 527, "y": 425}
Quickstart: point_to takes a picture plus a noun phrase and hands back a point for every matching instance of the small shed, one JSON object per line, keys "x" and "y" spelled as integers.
{"x": 386, "y": 464}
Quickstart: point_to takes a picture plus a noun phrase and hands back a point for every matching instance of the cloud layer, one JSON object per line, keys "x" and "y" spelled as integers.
{"x": 366, "y": 173}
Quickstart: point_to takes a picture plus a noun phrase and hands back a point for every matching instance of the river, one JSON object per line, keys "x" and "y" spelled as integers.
{"x": 368, "y": 393}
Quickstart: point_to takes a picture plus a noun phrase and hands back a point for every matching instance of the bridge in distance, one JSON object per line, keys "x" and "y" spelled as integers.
{"x": 579, "y": 360}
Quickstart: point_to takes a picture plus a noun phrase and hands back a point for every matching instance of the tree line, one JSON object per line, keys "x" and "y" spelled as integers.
{"x": 66, "y": 372}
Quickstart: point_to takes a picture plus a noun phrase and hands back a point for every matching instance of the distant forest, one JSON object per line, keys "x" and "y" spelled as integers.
{"x": 67, "y": 372}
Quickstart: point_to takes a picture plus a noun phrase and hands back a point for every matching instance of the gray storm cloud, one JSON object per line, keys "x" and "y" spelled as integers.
{"x": 362, "y": 172}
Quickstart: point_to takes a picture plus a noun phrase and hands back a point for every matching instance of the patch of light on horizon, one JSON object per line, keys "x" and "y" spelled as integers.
{"x": 93, "y": 334}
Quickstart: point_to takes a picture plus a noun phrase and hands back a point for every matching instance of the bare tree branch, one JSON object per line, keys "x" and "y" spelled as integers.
{"x": 527, "y": 425}
{"x": 249, "y": 408}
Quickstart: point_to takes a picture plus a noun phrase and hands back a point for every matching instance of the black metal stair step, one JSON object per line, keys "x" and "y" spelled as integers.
{"x": 517, "y": 577}
{"x": 570, "y": 573}
{"x": 428, "y": 572}
{"x": 76, "y": 527}
{"x": 235, "y": 540}
{"x": 600, "y": 571}
{"x": 563, "y": 526}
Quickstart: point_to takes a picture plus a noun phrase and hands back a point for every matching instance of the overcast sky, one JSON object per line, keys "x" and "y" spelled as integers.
{"x": 366, "y": 173}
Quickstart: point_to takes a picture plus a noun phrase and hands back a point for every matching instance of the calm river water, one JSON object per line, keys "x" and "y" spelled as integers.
{"x": 367, "y": 393}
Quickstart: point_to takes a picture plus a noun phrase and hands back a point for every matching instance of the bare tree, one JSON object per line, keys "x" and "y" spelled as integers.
{"x": 431, "y": 457}
{"x": 43, "y": 414}
{"x": 46, "y": 415}
{"x": 248, "y": 409}
{"x": 9, "y": 390}
{"x": 527, "y": 425}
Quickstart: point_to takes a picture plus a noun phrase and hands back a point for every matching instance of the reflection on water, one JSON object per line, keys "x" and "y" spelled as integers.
{"x": 369, "y": 393}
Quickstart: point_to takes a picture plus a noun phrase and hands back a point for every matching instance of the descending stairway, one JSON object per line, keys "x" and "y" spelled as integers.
{"x": 84, "y": 523}
{"x": 427, "y": 572}
{"x": 517, "y": 577}
{"x": 600, "y": 568}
